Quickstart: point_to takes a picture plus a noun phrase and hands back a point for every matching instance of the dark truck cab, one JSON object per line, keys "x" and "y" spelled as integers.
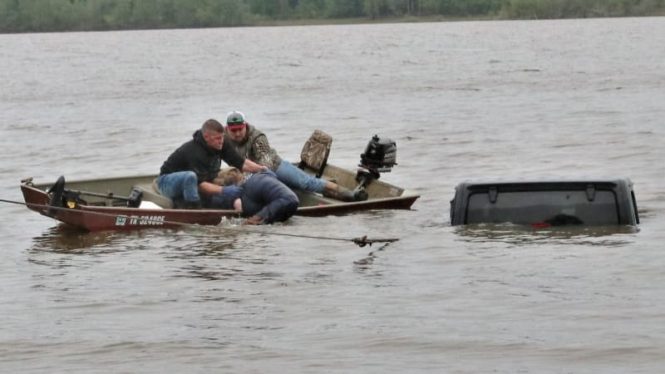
{"x": 545, "y": 203}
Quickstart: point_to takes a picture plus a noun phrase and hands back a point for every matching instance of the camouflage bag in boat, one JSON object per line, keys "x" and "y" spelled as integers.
{"x": 314, "y": 154}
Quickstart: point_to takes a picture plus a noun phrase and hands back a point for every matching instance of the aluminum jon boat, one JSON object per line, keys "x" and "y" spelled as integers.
{"x": 126, "y": 203}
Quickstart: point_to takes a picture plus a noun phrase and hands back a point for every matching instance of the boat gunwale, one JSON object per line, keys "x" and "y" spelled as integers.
{"x": 37, "y": 199}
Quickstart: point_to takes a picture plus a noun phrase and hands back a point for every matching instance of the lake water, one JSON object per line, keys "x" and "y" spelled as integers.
{"x": 463, "y": 100}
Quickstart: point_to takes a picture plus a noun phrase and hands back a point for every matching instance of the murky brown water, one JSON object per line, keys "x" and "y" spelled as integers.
{"x": 463, "y": 100}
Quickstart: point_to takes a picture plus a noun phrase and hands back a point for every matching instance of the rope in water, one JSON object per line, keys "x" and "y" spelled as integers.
{"x": 361, "y": 241}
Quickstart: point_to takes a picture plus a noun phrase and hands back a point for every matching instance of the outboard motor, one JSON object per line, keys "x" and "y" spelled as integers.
{"x": 379, "y": 157}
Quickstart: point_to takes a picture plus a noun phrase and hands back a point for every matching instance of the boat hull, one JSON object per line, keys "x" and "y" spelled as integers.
{"x": 104, "y": 207}
{"x": 98, "y": 218}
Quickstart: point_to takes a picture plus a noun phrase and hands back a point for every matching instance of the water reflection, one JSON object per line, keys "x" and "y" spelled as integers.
{"x": 610, "y": 236}
{"x": 367, "y": 261}
{"x": 207, "y": 272}
{"x": 199, "y": 252}
{"x": 187, "y": 242}
{"x": 223, "y": 252}
{"x": 199, "y": 242}
{"x": 66, "y": 239}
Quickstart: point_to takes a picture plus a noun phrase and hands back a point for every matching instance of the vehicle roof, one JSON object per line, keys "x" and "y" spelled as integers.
{"x": 552, "y": 181}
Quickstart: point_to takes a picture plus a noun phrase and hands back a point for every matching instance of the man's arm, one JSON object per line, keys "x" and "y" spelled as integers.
{"x": 250, "y": 166}
{"x": 233, "y": 158}
{"x": 209, "y": 188}
{"x": 262, "y": 153}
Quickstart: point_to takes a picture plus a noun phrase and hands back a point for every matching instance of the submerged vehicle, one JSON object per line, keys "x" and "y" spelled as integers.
{"x": 591, "y": 202}
{"x": 132, "y": 202}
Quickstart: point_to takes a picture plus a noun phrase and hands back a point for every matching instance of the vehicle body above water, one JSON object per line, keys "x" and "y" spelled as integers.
{"x": 545, "y": 203}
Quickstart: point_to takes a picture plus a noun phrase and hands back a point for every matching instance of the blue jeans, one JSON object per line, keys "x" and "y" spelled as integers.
{"x": 298, "y": 179}
{"x": 265, "y": 196}
{"x": 179, "y": 185}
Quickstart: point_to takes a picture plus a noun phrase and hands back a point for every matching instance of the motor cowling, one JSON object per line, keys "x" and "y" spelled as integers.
{"x": 380, "y": 155}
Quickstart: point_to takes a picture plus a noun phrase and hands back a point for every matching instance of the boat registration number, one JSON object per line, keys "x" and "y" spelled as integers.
{"x": 139, "y": 220}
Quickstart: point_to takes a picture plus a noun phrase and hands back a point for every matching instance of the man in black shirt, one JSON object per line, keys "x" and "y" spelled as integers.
{"x": 188, "y": 173}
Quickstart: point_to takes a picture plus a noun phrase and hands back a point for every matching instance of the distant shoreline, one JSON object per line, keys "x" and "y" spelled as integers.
{"x": 364, "y": 20}
{"x": 337, "y": 21}
{"x": 414, "y": 19}
{"x": 38, "y": 20}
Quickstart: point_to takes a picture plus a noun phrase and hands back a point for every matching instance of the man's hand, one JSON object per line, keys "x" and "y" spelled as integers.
{"x": 231, "y": 191}
{"x": 254, "y": 220}
{"x": 252, "y": 167}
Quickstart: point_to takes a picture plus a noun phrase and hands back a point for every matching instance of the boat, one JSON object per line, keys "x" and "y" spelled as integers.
{"x": 133, "y": 202}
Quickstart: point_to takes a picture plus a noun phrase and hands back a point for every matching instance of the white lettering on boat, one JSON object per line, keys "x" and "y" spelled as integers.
{"x": 139, "y": 220}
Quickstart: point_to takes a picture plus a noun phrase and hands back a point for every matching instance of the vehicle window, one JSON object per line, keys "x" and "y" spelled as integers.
{"x": 552, "y": 207}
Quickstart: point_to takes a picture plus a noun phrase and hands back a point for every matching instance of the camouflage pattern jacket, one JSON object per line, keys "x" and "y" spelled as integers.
{"x": 256, "y": 148}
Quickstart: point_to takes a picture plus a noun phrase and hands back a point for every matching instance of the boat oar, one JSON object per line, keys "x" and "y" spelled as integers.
{"x": 361, "y": 241}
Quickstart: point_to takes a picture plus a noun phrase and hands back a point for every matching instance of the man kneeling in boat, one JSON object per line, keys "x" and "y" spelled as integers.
{"x": 187, "y": 176}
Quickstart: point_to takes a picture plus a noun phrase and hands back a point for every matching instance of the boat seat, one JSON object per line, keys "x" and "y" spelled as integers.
{"x": 151, "y": 193}
{"x": 315, "y": 152}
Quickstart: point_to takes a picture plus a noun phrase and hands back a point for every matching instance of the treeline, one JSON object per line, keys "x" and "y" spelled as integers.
{"x": 540, "y": 9}
{"x": 75, "y": 15}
